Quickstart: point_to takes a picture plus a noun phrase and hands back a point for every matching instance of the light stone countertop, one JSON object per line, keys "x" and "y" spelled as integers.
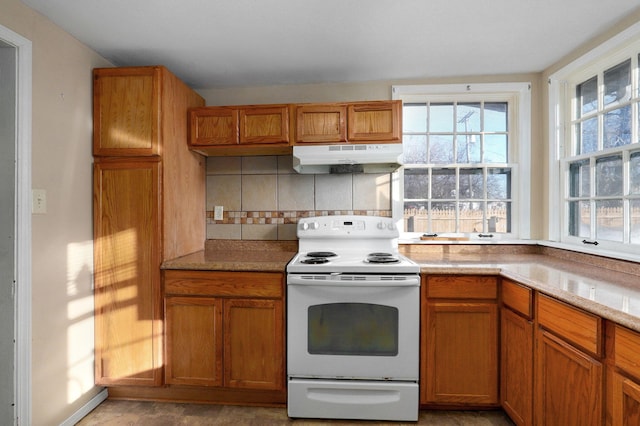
{"x": 605, "y": 292}
{"x": 605, "y": 287}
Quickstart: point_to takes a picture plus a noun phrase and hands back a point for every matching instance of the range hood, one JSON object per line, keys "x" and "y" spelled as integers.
{"x": 350, "y": 158}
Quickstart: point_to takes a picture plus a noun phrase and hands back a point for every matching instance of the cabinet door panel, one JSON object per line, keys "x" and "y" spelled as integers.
{"x": 126, "y": 112}
{"x": 516, "y": 390}
{"x": 127, "y": 272}
{"x": 569, "y": 384}
{"x": 462, "y": 359}
{"x": 213, "y": 126}
{"x": 321, "y": 123}
{"x": 626, "y": 401}
{"x": 374, "y": 121}
{"x": 254, "y": 344}
{"x": 261, "y": 125}
{"x": 194, "y": 341}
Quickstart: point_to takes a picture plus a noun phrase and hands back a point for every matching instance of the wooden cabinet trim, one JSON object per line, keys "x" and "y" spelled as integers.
{"x": 517, "y": 297}
{"x": 573, "y": 324}
{"x": 218, "y": 283}
{"x": 462, "y": 286}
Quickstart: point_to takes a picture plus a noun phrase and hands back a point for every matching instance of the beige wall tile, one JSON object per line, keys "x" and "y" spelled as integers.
{"x": 224, "y": 165}
{"x": 287, "y": 232}
{"x": 260, "y": 165}
{"x": 334, "y": 192}
{"x": 224, "y": 190}
{"x": 372, "y": 192}
{"x": 259, "y": 192}
{"x": 285, "y": 165}
{"x": 295, "y": 192}
{"x": 259, "y": 232}
{"x": 223, "y": 232}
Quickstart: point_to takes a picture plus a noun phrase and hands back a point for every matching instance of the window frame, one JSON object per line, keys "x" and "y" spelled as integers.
{"x": 518, "y": 95}
{"x": 562, "y": 92}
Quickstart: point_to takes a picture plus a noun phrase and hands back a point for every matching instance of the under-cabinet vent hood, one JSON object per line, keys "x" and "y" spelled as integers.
{"x": 351, "y": 158}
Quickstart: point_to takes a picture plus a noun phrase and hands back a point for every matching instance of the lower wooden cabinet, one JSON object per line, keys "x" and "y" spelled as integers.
{"x": 569, "y": 384}
{"x": 460, "y": 341}
{"x": 626, "y": 401}
{"x": 225, "y": 329}
{"x": 516, "y": 379}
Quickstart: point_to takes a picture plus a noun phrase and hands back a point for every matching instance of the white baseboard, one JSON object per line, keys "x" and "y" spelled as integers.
{"x": 86, "y": 408}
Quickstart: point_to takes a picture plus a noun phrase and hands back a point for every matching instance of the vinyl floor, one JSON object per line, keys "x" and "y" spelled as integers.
{"x": 142, "y": 413}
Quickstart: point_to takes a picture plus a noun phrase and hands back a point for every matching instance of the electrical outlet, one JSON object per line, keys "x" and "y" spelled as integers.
{"x": 38, "y": 201}
{"x": 218, "y": 213}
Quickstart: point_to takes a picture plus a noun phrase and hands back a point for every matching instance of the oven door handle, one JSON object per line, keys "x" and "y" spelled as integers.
{"x": 351, "y": 280}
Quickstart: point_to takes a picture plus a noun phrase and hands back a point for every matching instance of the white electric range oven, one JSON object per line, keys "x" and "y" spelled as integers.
{"x": 353, "y": 317}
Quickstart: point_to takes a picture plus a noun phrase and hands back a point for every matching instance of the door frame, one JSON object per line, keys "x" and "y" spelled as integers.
{"x": 22, "y": 248}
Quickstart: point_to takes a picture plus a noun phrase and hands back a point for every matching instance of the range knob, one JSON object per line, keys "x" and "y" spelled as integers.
{"x": 306, "y": 226}
{"x": 381, "y": 225}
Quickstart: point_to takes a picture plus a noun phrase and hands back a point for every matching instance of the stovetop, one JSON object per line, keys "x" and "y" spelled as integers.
{"x": 349, "y": 244}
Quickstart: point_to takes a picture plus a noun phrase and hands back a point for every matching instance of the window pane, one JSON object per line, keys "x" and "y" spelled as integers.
{"x": 587, "y": 135}
{"x": 499, "y": 183}
{"x": 441, "y": 118}
{"x": 414, "y": 149}
{"x": 415, "y": 216}
{"x": 579, "y": 179}
{"x": 495, "y": 117}
{"x": 617, "y": 83}
{"x": 635, "y": 221}
{"x": 440, "y": 149}
{"x": 468, "y": 147}
{"x": 634, "y": 173}
{"x": 495, "y": 148}
{"x": 609, "y": 176}
{"x": 468, "y": 117}
{"x": 580, "y": 219}
{"x": 443, "y": 217}
{"x": 471, "y": 183}
{"x": 416, "y": 184}
{"x": 587, "y": 94}
{"x": 609, "y": 221}
{"x": 444, "y": 184}
{"x": 471, "y": 216}
{"x": 498, "y": 216}
{"x": 617, "y": 127}
{"x": 414, "y": 118}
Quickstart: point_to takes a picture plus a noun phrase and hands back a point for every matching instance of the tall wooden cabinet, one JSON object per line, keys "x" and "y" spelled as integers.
{"x": 149, "y": 206}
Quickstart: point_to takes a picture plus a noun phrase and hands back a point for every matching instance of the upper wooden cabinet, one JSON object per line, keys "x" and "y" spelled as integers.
{"x": 321, "y": 123}
{"x": 374, "y": 121}
{"x": 237, "y": 130}
{"x": 126, "y": 111}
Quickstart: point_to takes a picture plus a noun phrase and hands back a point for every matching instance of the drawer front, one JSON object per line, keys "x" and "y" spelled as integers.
{"x": 627, "y": 350}
{"x": 236, "y": 284}
{"x": 517, "y": 297}
{"x": 576, "y": 326}
{"x": 462, "y": 287}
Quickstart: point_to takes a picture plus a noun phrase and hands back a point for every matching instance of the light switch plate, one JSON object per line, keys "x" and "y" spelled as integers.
{"x": 218, "y": 213}
{"x": 38, "y": 201}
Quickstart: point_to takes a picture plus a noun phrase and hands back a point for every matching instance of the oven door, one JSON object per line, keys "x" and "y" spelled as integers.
{"x": 353, "y": 329}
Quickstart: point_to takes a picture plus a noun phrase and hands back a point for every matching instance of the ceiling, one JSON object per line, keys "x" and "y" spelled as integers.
{"x": 230, "y": 43}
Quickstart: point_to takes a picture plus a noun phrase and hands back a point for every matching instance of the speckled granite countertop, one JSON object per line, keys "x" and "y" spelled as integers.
{"x": 606, "y": 287}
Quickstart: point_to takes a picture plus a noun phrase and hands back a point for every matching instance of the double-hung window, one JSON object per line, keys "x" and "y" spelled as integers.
{"x": 599, "y": 153}
{"x": 464, "y": 146}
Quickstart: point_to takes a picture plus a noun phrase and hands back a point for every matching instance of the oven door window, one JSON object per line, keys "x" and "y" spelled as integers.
{"x": 352, "y": 329}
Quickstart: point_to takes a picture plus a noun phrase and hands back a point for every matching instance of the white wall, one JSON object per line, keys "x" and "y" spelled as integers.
{"x": 62, "y": 324}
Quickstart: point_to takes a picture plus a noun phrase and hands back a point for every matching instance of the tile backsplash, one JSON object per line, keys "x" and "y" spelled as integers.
{"x": 263, "y": 197}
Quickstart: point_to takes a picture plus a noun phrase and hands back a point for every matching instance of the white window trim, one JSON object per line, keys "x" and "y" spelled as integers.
{"x": 558, "y": 133}
{"x": 520, "y": 199}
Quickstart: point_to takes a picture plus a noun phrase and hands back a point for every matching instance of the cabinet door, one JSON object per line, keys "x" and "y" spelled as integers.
{"x": 126, "y": 111}
{"x": 193, "y": 332}
{"x": 626, "y": 401}
{"x": 254, "y": 344}
{"x": 213, "y": 126}
{"x": 321, "y": 123}
{"x": 569, "y": 384}
{"x": 264, "y": 124}
{"x": 374, "y": 121}
{"x": 128, "y": 336}
{"x": 461, "y": 353}
{"x": 516, "y": 350}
